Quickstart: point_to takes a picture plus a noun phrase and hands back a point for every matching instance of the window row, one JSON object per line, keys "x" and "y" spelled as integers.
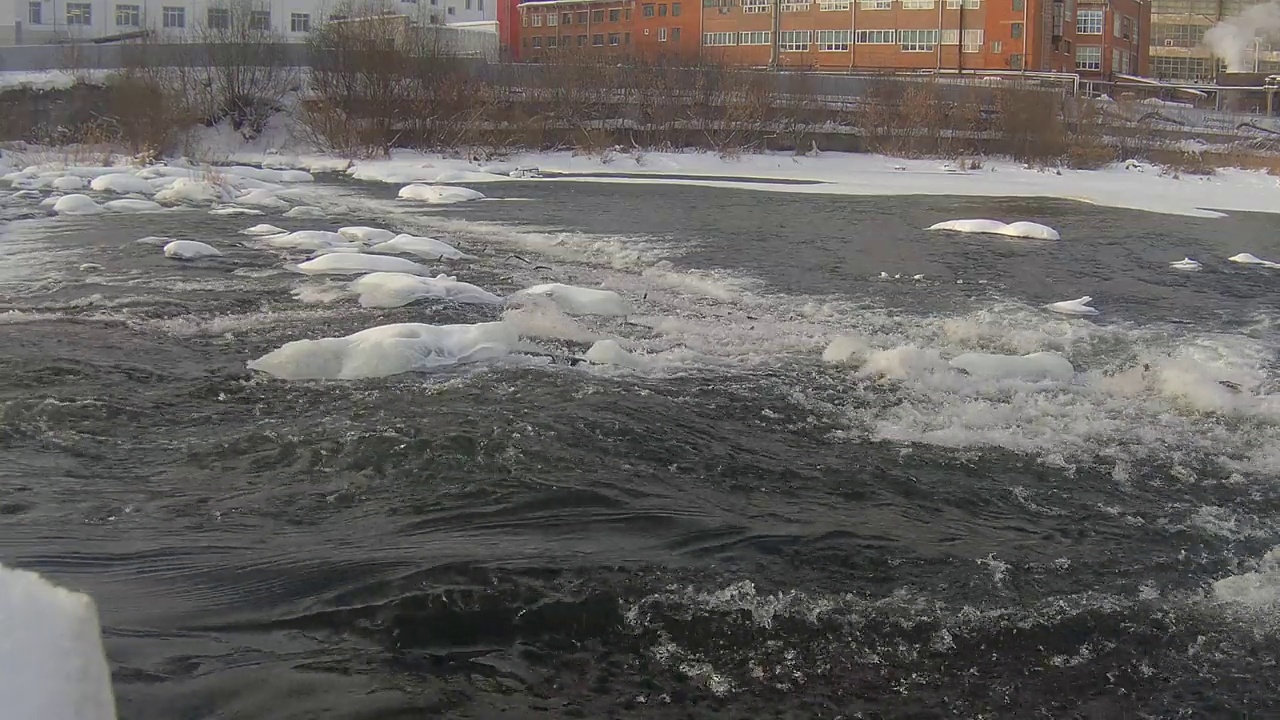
{"x": 596, "y": 40}
{"x": 764, "y": 6}
{"x": 130, "y": 16}
{"x": 970, "y": 41}
{"x": 596, "y": 17}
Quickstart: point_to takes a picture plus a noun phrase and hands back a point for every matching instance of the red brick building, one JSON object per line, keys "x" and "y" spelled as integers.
{"x": 1095, "y": 39}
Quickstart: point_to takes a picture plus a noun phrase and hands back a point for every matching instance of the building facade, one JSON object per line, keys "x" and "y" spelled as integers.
{"x": 1178, "y": 50}
{"x": 1095, "y": 39}
{"x": 44, "y": 21}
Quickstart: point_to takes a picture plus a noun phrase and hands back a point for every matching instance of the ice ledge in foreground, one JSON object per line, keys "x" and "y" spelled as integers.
{"x": 52, "y": 666}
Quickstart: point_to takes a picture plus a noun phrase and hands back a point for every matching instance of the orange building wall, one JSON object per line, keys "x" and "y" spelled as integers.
{"x": 607, "y": 26}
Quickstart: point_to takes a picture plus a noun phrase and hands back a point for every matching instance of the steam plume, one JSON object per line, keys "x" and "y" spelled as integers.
{"x": 1233, "y": 38}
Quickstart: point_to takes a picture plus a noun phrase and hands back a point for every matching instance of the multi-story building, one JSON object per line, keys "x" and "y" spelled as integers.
{"x": 1097, "y": 39}
{"x": 42, "y": 21}
{"x": 1178, "y": 50}
{"x": 655, "y": 30}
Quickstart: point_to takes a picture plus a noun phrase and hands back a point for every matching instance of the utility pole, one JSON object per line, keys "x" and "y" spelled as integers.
{"x": 776, "y": 9}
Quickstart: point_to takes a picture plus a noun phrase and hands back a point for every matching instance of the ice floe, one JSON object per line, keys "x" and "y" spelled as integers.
{"x": 358, "y": 263}
{"x": 1259, "y": 588}
{"x": 396, "y": 289}
{"x": 366, "y": 234}
{"x": 305, "y": 239}
{"x": 1250, "y": 259}
{"x": 193, "y": 191}
{"x": 307, "y": 212}
{"x": 263, "y": 198}
{"x": 439, "y": 194}
{"x": 52, "y": 664}
{"x": 1185, "y": 264}
{"x": 388, "y": 350}
{"x": 576, "y": 300}
{"x": 610, "y": 352}
{"x": 122, "y": 183}
{"x": 1033, "y": 367}
{"x": 423, "y": 247}
{"x": 264, "y": 229}
{"x": 69, "y": 183}
{"x": 76, "y": 205}
{"x": 1030, "y": 230}
{"x": 1079, "y": 306}
{"x": 234, "y": 210}
{"x": 132, "y": 205}
{"x": 190, "y": 250}
{"x": 846, "y": 350}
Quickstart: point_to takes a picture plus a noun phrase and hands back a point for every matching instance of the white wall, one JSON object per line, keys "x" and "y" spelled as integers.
{"x": 54, "y": 15}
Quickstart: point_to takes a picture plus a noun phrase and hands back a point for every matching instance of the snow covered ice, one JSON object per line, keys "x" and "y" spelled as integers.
{"x": 1079, "y": 306}
{"x": 439, "y": 194}
{"x": 396, "y": 289}
{"x": 1034, "y": 367}
{"x": 1185, "y": 264}
{"x": 1251, "y": 259}
{"x": 576, "y": 300}
{"x": 76, "y": 205}
{"x": 1029, "y": 230}
{"x": 423, "y": 247}
{"x": 52, "y": 666}
{"x": 388, "y": 350}
{"x": 132, "y": 205}
{"x": 304, "y": 239}
{"x": 190, "y": 250}
{"x": 122, "y": 184}
{"x": 365, "y": 234}
{"x": 357, "y": 263}
{"x": 610, "y": 352}
{"x": 264, "y": 229}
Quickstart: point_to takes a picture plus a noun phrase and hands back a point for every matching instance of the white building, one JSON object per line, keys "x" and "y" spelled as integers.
{"x": 45, "y": 21}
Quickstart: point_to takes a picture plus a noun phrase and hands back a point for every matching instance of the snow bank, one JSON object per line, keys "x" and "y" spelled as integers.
{"x": 1034, "y": 367}
{"x": 396, "y": 289}
{"x": 388, "y": 350}
{"x": 1185, "y": 264}
{"x": 190, "y": 250}
{"x": 366, "y": 234}
{"x": 131, "y": 205}
{"x": 76, "y": 205}
{"x": 1079, "y": 306}
{"x": 264, "y": 229}
{"x": 1034, "y": 231}
{"x": 1250, "y": 259}
{"x": 52, "y": 666}
{"x": 609, "y": 352}
{"x": 439, "y": 194}
{"x": 357, "y": 263}
{"x": 423, "y": 247}
{"x": 582, "y": 301}
{"x": 121, "y": 183}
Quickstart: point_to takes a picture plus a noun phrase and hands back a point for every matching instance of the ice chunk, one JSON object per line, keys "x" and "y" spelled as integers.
{"x": 438, "y": 194}
{"x": 388, "y": 350}
{"x": 576, "y": 300}
{"x": 264, "y": 229}
{"x": 52, "y": 666}
{"x": 1259, "y": 588}
{"x": 395, "y": 289}
{"x": 131, "y": 205}
{"x": 423, "y": 247}
{"x": 1185, "y": 264}
{"x": 68, "y": 183}
{"x": 1079, "y": 306}
{"x": 122, "y": 183}
{"x": 190, "y": 190}
{"x": 609, "y": 352}
{"x": 154, "y": 240}
{"x": 902, "y": 362}
{"x": 263, "y": 198}
{"x": 76, "y": 205}
{"x": 357, "y": 263}
{"x": 307, "y": 240}
{"x": 1034, "y": 367}
{"x": 269, "y": 176}
{"x": 190, "y": 250}
{"x": 1022, "y": 229}
{"x": 307, "y": 212}
{"x": 338, "y": 249}
{"x": 846, "y": 349}
{"x": 233, "y": 210}
{"x": 366, "y": 234}
{"x": 1247, "y": 259}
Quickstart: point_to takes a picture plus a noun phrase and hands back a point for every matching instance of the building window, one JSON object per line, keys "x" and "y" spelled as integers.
{"x": 876, "y": 37}
{"x": 1115, "y": 25}
{"x": 537, "y": 42}
{"x": 626, "y": 38}
{"x": 917, "y": 4}
{"x": 997, "y": 47}
{"x": 662, "y": 11}
{"x": 1015, "y": 30}
{"x": 300, "y": 22}
{"x": 1127, "y": 28}
{"x": 793, "y": 41}
{"x": 756, "y": 6}
{"x": 552, "y": 41}
{"x": 1015, "y": 61}
{"x": 597, "y": 16}
{"x": 832, "y": 5}
{"x": 128, "y": 16}
{"x": 524, "y": 18}
{"x": 675, "y": 9}
{"x": 218, "y": 19}
{"x": 615, "y": 39}
{"x": 1088, "y": 57}
{"x": 626, "y": 14}
{"x": 662, "y": 34}
{"x": 834, "y": 40}
{"x": 553, "y": 19}
{"x": 1115, "y": 59}
{"x": 718, "y": 39}
{"x": 79, "y": 14}
{"x": 468, "y": 3}
{"x": 949, "y": 36}
{"x": 1019, "y": 5}
{"x": 918, "y": 40}
{"x": 675, "y": 34}
{"x": 972, "y": 41}
{"x": 753, "y": 37}
{"x": 966, "y": 4}
{"x": 566, "y": 18}
{"x": 260, "y": 20}
{"x": 875, "y": 4}
{"x": 795, "y": 7}
{"x": 535, "y": 19}
{"x": 615, "y": 15}
{"x": 597, "y": 40}
{"x": 173, "y": 17}
{"x": 1089, "y": 22}
{"x": 647, "y": 10}
{"x": 581, "y": 18}
{"x": 35, "y": 13}
{"x": 582, "y": 41}
{"x": 479, "y": 5}
{"x": 451, "y": 10}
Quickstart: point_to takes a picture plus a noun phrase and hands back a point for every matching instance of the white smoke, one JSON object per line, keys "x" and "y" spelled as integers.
{"x": 1233, "y": 39}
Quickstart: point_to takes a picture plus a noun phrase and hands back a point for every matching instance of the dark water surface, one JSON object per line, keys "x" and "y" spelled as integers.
{"x": 743, "y": 539}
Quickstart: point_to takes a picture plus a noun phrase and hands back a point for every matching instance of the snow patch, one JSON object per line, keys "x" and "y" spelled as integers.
{"x": 76, "y": 205}
{"x": 1030, "y": 230}
{"x": 439, "y": 194}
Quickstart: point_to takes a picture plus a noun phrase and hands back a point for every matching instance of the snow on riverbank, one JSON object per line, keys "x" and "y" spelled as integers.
{"x": 1132, "y": 185}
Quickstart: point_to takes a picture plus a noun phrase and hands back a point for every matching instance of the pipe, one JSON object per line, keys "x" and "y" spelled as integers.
{"x": 1026, "y": 33}
{"x": 938, "y": 48}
